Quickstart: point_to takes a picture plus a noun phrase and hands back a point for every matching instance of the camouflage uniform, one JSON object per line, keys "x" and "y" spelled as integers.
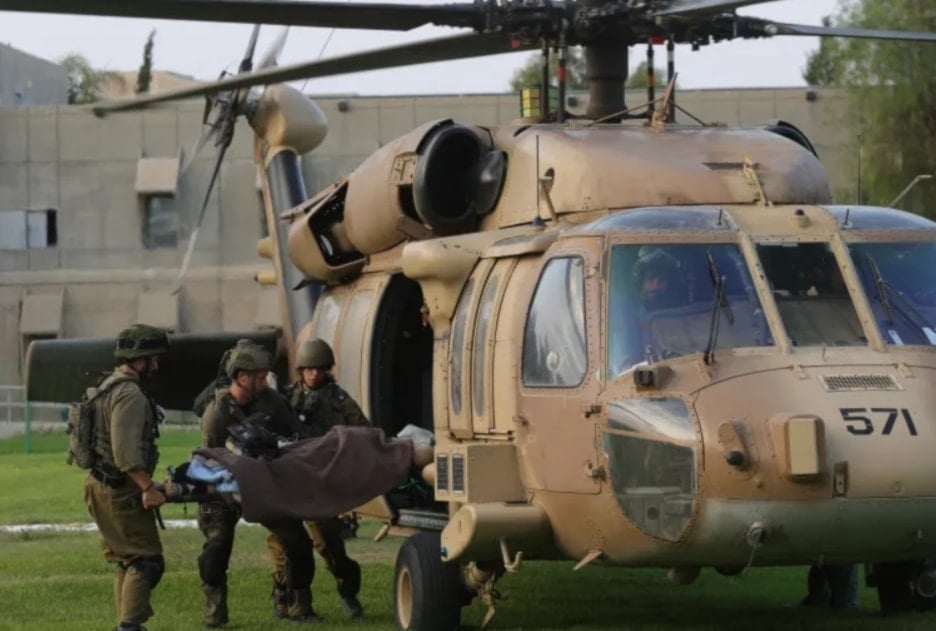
{"x": 217, "y": 520}
{"x": 125, "y": 440}
{"x": 320, "y": 410}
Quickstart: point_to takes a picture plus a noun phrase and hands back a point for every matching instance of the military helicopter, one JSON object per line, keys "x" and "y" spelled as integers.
{"x": 637, "y": 342}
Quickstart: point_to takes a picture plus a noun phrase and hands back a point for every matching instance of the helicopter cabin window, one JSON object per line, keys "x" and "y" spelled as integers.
{"x": 481, "y": 341}
{"x": 671, "y": 300}
{"x": 811, "y": 295}
{"x": 456, "y": 355}
{"x": 327, "y": 322}
{"x": 898, "y": 280}
{"x": 28, "y": 229}
{"x": 352, "y": 341}
{"x": 554, "y": 349}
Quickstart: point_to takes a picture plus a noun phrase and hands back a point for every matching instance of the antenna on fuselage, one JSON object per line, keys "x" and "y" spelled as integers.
{"x": 671, "y": 79}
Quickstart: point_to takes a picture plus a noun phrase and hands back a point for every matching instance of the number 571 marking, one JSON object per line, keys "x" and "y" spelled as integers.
{"x": 859, "y": 420}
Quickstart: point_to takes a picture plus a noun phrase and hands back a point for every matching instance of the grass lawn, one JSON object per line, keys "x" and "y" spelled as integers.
{"x": 60, "y": 581}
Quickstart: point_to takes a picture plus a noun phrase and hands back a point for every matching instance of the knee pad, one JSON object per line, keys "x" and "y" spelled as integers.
{"x": 151, "y": 568}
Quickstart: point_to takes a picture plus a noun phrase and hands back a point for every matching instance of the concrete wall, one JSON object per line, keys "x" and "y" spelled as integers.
{"x": 65, "y": 159}
{"x": 26, "y": 80}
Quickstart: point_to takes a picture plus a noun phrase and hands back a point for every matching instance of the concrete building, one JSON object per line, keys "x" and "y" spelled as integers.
{"x": 95, "y": 213}
{"x": 26, "y": 80}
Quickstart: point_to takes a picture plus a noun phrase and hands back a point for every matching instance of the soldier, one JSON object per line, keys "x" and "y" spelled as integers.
{"x": 321, "y": 404}
{"x": 119, "y": 491}
{"x": 248, "y": 396}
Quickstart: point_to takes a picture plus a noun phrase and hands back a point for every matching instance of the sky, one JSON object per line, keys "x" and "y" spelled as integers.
{"x": 202, "y": 50}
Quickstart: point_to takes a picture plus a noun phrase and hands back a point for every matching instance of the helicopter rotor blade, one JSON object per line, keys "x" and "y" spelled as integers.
{"x": 193, "y": 238}
{"x": 779, "y": 28}
{"x": 426, "y": 51}
{"x": 694, "y": 7}
{"x": 363, "y": 15}
{"x": 272, "y": 54}
{"x": 246, "y": 64}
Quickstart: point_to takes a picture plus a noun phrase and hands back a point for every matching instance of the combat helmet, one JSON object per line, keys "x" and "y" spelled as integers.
{"x": 247, "y": 355}
{"x": 657, "y": 261}
{"x": 315, "y": 354}
{"x": 141, "y": 340}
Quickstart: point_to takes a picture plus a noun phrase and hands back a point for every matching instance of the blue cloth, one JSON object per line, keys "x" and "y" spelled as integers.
{"x": 211, "y": 472}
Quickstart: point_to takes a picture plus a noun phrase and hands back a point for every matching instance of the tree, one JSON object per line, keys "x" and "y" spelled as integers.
{"x": 84, "y": 82}
{"x": 528, "y": 75}
{"x": 892, "y": 94}
{"x": 145, "y": 75}
{"x": 638, "y": 77}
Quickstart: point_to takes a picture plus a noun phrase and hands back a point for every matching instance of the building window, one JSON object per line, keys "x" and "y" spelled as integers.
{"x": 160, "y": 222}
{"x": 28, "y": 229}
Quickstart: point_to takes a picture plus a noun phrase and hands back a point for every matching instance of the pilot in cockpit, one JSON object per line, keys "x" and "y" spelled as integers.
{"x": 659, "y": 276}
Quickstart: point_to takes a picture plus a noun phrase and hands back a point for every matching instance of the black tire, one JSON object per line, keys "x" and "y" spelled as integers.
{"x": 426, "y": 591}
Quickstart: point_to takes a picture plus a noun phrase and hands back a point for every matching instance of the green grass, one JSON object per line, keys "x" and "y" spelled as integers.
{"x": 60, "y": 581}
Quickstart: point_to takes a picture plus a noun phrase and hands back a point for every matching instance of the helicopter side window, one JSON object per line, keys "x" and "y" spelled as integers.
{"x": 458, "y": 346}
{"x": 352, "y": 340}
{"x": 811, "y": 295}
{"x": 663, "y": 298}
{"x": 327, "y": 322}
{"x": 554, "y": 348}
{"x": 479, "y": 349}
{"x": 897, "y": 279}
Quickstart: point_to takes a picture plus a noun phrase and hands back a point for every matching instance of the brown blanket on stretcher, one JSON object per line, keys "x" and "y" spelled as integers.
{"x": 318, "y": 478}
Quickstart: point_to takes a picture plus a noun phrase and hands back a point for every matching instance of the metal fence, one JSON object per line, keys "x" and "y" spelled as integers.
{"x": 14, "y": 408}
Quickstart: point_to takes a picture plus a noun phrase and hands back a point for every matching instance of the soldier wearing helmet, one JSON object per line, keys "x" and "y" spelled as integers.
{"x": 248, "y": 396}
{"x": 119, "y": 491}
{"x": 660, "y": 281}
{"x": 322, "y": 404}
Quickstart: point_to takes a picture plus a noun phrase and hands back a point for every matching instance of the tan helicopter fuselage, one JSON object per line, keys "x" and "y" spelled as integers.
{"x": 775, "y": 465}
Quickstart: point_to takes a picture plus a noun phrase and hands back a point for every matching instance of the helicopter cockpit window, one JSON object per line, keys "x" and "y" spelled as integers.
{"x": 873, "y": 218}
{"x": 810, "y": 293}
{"x": 554, "y": 349}
{"x": 898, "y": 281}
{"x": 663, "y": 298}
{"x": 682, "y": 218}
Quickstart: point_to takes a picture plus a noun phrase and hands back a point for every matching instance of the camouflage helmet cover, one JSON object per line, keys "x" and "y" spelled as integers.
{"x": 141, "y": 340}
{"x": 248, "y": 355}
{"x": 315, "y": 354}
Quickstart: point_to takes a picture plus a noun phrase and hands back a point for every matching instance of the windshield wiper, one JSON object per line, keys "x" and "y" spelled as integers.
{"x": 718, "y": 305}
{"x": 709, "y": 355}
{"x": 884, "y": 288}
{"x": 881, "y": 286}
{"x": 714, "y": 276}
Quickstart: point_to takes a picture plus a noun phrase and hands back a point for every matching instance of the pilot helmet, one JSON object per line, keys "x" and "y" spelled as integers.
{"x": 659, "y": 277}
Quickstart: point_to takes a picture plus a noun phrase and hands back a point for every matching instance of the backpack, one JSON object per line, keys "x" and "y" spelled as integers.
{"x": 81, "y": 422}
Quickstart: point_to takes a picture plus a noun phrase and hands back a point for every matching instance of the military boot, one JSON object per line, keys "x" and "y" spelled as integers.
{"x": 300, "y": 606}
{"x": 280, "y": 597}
{"x": 216, "y": 611}
{"x": 352, "y": 607}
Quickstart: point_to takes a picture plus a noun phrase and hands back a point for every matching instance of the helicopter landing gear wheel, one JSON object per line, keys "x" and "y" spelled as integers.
{"x": 894, "y": 587}
{"x": 905, "y": 586}
{"x": 427, "y": 592}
